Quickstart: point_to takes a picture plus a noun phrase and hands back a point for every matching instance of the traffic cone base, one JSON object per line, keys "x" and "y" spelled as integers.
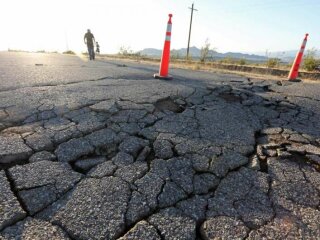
{"x": 295, "y": 80}
{"x": 157, "y": 76}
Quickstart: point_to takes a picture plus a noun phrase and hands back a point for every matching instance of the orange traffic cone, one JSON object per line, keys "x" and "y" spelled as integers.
{"x": 296, "y": 64}
{"x": 164, "y": 65}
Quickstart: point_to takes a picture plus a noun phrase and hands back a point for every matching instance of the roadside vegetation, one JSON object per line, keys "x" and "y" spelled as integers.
{"x": 205, "y": 51}
{"x": 310, "y": 62}
{"x": 128, "y": 52}
{"x": 207, "y": 60}
{"x": 69, "y": 52}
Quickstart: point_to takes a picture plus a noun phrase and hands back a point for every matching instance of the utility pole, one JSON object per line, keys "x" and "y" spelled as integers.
{"x": 192, "y": 9}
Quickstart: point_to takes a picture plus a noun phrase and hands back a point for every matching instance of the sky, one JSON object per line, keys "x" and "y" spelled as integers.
{"x": 229, "y": 25}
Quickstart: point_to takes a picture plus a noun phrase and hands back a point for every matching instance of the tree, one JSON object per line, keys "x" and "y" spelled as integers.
{"x": 205, "y": 51}
{"x": 125, "y": 51}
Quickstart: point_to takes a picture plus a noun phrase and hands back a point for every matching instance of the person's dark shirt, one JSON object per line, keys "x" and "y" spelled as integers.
{"x": 89, "y": 39}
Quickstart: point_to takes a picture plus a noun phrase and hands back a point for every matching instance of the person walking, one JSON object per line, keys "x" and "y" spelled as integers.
{"x": 89, "y": 40}
{"x": 97, "y": 48}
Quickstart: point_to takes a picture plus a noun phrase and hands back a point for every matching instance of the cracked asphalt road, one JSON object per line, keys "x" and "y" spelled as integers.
{"x": 101, "y": 150}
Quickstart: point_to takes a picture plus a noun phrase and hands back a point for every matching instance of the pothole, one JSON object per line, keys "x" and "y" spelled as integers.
{"x": 121, "y": 65}
{"x": 264, "y": 165}
{"x": 267, "y": 89}
{"x": 230, "y": 97}
{"x": 168, "y": 104}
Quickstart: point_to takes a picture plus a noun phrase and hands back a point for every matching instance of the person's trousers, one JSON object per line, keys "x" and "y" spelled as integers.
{"x": 91, "y": 52}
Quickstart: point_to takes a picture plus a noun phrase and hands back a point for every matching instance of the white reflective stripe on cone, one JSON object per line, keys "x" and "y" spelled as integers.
{"x": 168, "y": 38}
{"x": 169, "y": 27}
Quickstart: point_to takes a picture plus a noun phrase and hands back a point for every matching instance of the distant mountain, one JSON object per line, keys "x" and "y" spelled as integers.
{"x": 196, "y": 53}
{"x": 152, "y": 52}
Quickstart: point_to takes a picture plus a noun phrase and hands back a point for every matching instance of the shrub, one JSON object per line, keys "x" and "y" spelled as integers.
{"x": 242, "y": 62}
{"x": 273, "y": 62}
{"x": 310, "y": 62}
{"x": 228, "y": 60}
{"x": 127, "y": 51}
{"x": 175, "y": 54}
{"x": 69, "y": 52}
